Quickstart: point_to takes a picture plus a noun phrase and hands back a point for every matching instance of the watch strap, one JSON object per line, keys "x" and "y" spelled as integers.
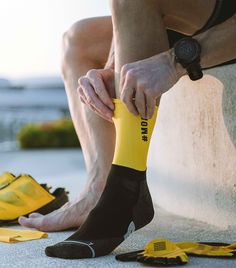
{"x": 194, "y": 71}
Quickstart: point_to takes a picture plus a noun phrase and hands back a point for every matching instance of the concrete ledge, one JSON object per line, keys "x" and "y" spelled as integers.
{"x": 192, "y": 160}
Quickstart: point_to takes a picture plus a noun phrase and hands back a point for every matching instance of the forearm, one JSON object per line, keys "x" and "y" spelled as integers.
{"x": 110, "y": 64}
{"x": 218, "y": 43}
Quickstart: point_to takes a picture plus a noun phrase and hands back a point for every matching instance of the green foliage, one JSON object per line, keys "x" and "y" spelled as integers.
{"x": 56, "y": 134}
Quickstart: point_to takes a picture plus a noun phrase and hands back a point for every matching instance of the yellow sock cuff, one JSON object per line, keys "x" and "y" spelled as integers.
{"x": 133, "y": 135}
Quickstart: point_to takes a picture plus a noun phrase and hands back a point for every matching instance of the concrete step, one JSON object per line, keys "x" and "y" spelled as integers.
{"x": 164, "y": 225}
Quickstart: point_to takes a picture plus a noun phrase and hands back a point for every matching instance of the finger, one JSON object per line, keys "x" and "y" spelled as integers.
{"x": 81, "y": 95}
{"x": 93, "y": 109}
{"x": 108, "y": 118}
{"x": 82, "y": 100}
{"x": 100, "y": 89}
{"x": 100, "y": 114}
{"x": 93, "y": 100}
{"x": 127, "y": 95}
{"x": 81, "y": 81}
{"x": 140, "y": 103}
{"x": 96, "y": 103}
{"x": 150, "y": 105}
{"x": 128, "y": 99}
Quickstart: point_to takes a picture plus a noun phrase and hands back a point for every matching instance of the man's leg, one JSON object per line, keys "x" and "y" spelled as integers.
{"x": 85, "y": 46}
{"x": 125, "y": 204}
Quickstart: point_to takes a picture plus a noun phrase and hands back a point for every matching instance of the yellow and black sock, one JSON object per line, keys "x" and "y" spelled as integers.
{"x": 125, "y": 204}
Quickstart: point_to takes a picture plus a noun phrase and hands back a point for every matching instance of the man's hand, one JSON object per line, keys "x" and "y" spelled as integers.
{"x": 143, "y": 82}
{"x": 96, "y": 90}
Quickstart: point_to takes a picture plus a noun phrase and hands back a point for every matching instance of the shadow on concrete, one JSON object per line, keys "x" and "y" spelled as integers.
{"x": 192, "y": 198}
{"x": 229, "y": 95}
{"x": 228, "y": 78}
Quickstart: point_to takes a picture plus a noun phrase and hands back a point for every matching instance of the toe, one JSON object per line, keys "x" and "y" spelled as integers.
{"x": 31, "y": 223}
{"x": 71, "y": 250}
{"x": 49, "y": 251}
{"x": 27, "y": 222}
{"x": 23, "y": 221}
{"x": 35, "y": 215}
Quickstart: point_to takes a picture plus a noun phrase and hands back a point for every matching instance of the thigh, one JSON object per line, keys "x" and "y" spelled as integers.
{"x": 186, "y": 16}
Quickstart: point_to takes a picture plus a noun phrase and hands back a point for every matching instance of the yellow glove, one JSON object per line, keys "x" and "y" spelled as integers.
{"x": 5, "y": 179}
{"x": 162, "y": 252}
{"x": 165, "y": 252}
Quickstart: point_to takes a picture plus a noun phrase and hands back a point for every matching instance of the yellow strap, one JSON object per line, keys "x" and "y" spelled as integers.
{"x": 231, "y": 246}
{"x": 207, "y": 250}
{"x": 23, "y": 196}
{"x": 13, "y": 236}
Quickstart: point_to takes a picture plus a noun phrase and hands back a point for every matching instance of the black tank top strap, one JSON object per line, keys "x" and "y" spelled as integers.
{"x": 224, "y": 9}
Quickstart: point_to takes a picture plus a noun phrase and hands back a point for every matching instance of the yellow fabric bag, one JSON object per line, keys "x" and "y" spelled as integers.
{"x": 21, "y": 197}
{"x": 13, "y": 236}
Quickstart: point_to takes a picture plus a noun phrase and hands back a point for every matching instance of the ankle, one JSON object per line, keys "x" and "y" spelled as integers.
{"x": 97, "y": 178}
{"x": 96, "y": 187}
{"x": 93, "y": 190}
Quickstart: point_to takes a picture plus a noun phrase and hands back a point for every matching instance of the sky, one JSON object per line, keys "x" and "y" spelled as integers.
{"x": 31, "y": 32}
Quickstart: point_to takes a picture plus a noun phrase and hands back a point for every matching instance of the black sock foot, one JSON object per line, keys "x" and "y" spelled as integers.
{"x": 125, "y": 206}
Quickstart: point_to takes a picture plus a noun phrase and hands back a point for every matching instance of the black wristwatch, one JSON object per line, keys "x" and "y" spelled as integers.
{"x": 187, "y": 52}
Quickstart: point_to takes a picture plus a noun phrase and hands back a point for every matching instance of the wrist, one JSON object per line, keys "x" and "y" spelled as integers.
{"x": 178, "y": 68}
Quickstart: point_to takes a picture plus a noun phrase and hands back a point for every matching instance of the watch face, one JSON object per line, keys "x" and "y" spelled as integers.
{"x": 187, "y": 50}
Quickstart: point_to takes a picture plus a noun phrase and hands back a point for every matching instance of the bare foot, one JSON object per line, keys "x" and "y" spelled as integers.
{"x": 71, "y": 215}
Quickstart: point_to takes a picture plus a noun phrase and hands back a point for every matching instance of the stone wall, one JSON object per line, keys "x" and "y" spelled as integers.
{"x": 192, "y": 159}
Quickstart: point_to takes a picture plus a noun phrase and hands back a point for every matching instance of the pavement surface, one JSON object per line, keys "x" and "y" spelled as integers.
{"x": 66, "y": 168}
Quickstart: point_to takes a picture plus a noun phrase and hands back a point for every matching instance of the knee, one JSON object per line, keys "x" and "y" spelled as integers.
{"x": 76, "y": 38}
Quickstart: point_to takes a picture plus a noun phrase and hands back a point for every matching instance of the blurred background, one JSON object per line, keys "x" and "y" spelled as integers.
{"x": 31, "y": 89}
{"x": 33, "y": 106}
